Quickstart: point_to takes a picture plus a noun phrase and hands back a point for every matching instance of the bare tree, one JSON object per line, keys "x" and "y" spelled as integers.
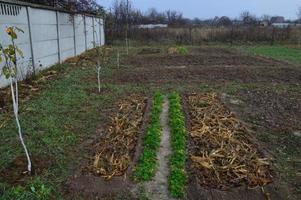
{"x": 154, "y": 17}
{"x": 248, "y": 18}
{"x": 266, "y": 17}
{"x": 174, "y": 17}
{"x": 87, "y": 6}
{"x": 197, "y": 21}
{"x": 127, "y": 28}
{"x": 224, "y": 21}
{"x": 123, "y": 17}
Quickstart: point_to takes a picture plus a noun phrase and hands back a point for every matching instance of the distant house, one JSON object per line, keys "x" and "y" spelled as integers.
{"x": 237, "y": 22}
{"x": 250, "y": 20}
{"x": 224, "y": 21}
{"x": 151, "y": 26}
{"x": 277, "y": 19}
{"x": 281, "y": 25}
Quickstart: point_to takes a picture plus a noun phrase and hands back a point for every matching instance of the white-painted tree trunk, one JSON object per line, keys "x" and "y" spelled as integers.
{"x": 17, "y": 95}
{"x": 127, "y": 45}
{"x": 118, "y": 59}
{"x": 15, "y": 99}
{"x": 127, "y": 28}
{"x": 98, "y": 77}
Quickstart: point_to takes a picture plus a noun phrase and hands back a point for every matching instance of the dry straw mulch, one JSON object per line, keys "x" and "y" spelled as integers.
{"x": 222, "y": 154}
{"x": 115, "y": 151}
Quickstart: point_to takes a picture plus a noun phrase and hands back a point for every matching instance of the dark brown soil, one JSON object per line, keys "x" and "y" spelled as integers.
{"x": 197, "y": 59}
{"x": 263, "y": 109}
{"x": 275, "y": 117}
{"x": 86, "y": 184}
{"x": 276, "y": 110}
{"x": 16, "y": 172}
{"x": 149, "y": 51}
{"x": 198, "y": 189}
{"x": 196, "y": 192}
{"x": 213, "y": 66}
{"x": 212, "y": 74}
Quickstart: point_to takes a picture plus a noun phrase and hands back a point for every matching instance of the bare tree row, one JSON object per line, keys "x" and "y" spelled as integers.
{"x": 123, "y": 15}
{"x": 84, "y": 6}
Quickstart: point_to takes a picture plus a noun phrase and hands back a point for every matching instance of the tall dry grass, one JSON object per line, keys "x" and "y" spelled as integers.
{"x": 198, "y": 35}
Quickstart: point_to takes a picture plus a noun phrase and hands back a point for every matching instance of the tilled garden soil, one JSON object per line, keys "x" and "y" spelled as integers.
{"x": 205, "y": 66}
{"x": 114, "y": 153}
{"x": 278, "y": 111}
{"x": 198, "y": 59}
{"x": 243, "y": 168}
{"x": 224, "y": 158}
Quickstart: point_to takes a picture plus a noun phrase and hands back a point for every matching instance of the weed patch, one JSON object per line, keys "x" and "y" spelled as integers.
{"x": 35, "y": 190}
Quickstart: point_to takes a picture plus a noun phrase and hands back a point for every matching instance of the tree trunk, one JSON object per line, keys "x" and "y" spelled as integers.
{"x": 98, "y": 77}
{"x": 16, "y": 113}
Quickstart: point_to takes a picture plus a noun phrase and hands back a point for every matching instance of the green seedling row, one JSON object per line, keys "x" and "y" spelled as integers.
{"x": 177, "y": 178}
{"x": 147, "y": 164}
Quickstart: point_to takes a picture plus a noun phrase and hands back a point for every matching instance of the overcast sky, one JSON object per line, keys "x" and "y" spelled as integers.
{"x": 211, "y": 8}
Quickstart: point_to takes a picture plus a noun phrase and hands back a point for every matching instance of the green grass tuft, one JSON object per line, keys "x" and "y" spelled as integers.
{"x": 182, "y": 50}
{"x": 35, "y": 190}
{"x": 177, "y": 178}
{"x": 147, "y": 164}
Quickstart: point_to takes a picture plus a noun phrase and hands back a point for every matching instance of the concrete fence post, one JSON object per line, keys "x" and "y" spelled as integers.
{"x": 58, "y": 36}
{"x": 85, "y": 32}
{"x": 93, "y": 24}
{"x": 99, "y": 24}
{"x": 103, "y": 22}
{"x": 74, "y": 36}
{"x": 28, "y": 11}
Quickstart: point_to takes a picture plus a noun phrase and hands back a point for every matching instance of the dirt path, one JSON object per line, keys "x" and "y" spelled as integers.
{"x": 158, "y": 188}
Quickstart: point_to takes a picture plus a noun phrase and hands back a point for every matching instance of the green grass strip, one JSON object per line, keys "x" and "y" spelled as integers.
{"x": 147, "y": 164}
{"x": 177, "y": 177}
{"x": 278, "y": 52}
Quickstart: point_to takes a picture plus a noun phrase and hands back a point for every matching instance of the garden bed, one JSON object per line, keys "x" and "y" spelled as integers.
{"x": 114, "y": 153}
{"x": 222, "y": 154}
{"x": 224, "y": 159}
{"x": 203, "y": 66}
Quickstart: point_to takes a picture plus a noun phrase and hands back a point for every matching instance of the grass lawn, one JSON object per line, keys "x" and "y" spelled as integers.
{"x": 278, "y": 52}
{"x": 53, "y": 122}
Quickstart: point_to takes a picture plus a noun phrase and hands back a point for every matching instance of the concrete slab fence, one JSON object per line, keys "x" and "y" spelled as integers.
{"x": 50, "y": 35}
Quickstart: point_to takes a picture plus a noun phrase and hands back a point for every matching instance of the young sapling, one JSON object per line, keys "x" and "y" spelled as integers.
{"x": 102, "y": 59}
{"x": 8, "y": 55}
